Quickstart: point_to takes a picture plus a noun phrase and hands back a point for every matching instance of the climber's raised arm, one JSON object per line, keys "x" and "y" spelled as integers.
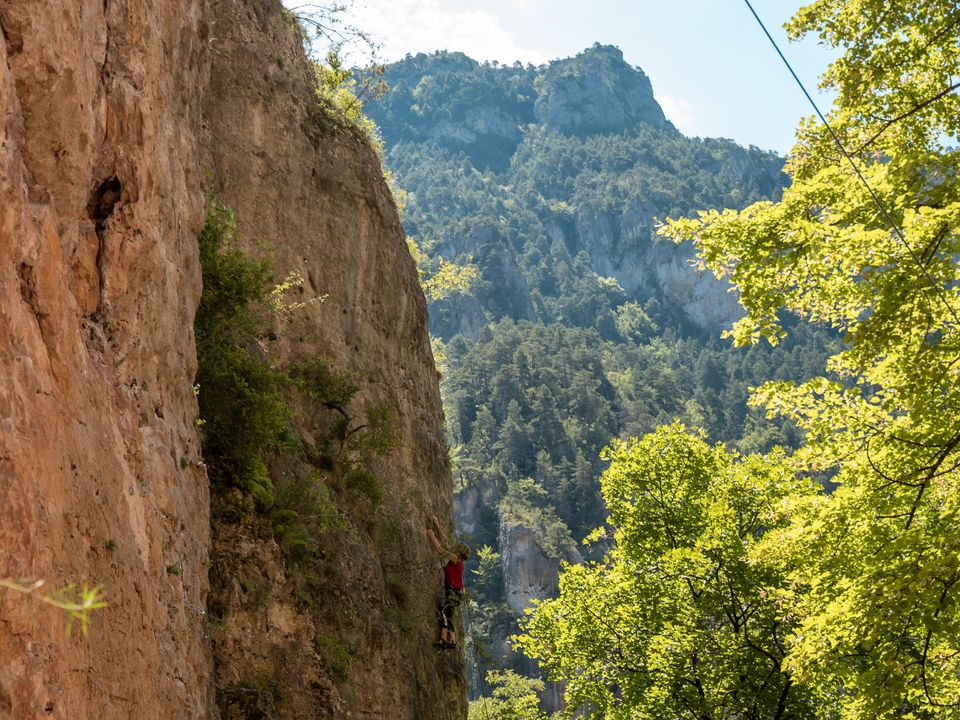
{"x": 436, "y": 543}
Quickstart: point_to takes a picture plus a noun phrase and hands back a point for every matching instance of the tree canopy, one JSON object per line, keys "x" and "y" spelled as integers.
{"x": 686, "y": 616}
{"x": 865, "y": 576}
{"x": 878, "y": 559}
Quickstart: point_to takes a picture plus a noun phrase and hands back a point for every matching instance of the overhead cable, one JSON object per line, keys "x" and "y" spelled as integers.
{"x": 853, "y": 164}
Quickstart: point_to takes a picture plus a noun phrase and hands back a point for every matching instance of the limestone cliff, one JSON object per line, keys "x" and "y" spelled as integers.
{"x": 100, "y": 472}
{"x": 101, "y": 478}
{"x": 310, "y": 196}
{"x": 596, "y": 91}
{"x": 529, "y": 572}
{"x": 621, "y": 245}
{"x": 518, "y": 170}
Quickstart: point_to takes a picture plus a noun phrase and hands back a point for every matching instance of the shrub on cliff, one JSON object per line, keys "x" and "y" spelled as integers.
{"x": 242, "y": 407}
{"x": 340, "y": 95}
{"x": 245, "y": 406}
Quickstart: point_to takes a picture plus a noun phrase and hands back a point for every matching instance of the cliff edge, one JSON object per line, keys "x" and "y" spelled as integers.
{"x": 351, "y": 634}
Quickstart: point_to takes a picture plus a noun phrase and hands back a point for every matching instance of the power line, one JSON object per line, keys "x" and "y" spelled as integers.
{"x": 836, "y": 139}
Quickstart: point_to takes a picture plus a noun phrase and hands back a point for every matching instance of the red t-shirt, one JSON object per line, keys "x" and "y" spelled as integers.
{"x": 453, "y": 574}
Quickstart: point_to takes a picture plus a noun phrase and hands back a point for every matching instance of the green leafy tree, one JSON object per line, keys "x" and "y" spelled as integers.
{"x": 875, "y": 564}
{"x": 440, "y": 278}
{"x": 684, "y": 618}
{"x": 240, "y": 392}
{"x": 514, "y": 697}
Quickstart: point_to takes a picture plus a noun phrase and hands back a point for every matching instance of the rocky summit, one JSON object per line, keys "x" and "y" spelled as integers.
{"x": 595, "y": 92}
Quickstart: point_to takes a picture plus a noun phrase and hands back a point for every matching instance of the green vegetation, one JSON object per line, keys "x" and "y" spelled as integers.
{"x": 341, "y": 92}
{"x": 76, "y": 603}
{"x": 539, "y": 401}
{"x": 686, "y": 615}
{"x": 526, "y": 503}
{"x": 514, "y": 697}
{"x": 336, "y": 89}
{"x": 350, "y": 442}
{"x": 878, "y": 557}
{"x": 439, "y": 277}
{"x": 506, "y": 225}
{"x": 241, "y": 398}
{"x": 304, "y": 510}
{"x": 842, "y": 601}
{"x": 334, "y": 653}
{"x": 249, "y": 404}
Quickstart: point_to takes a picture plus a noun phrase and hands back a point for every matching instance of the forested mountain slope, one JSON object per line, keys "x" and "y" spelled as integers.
{"x": 582, "y": 325}
{"x": 552, "y": 179}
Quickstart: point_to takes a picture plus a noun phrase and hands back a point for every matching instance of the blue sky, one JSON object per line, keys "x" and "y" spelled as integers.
{"x": 712, "y": 69}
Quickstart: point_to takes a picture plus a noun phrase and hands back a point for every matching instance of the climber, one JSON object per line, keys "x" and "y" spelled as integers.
{"x": 452, "y": 584}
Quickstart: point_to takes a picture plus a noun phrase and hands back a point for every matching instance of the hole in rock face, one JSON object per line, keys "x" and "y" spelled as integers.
{"x": 28, "y": 285}
{"x": 100, "y": 207}
{"x": 102, "y": 201}
{"x": 13, "y": 38}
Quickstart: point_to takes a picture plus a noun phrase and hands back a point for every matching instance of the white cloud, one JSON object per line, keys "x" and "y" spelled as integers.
{"x": 680, "y": 112}
{"x": 412, "y": 26}
{"x": 532, "y": 9}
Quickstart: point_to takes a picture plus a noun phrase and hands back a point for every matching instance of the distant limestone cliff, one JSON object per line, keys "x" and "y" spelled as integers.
{"x": 569, "y": 157}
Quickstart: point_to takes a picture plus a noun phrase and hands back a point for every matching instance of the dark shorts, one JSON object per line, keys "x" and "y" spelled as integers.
{"x": 451, "y": 600}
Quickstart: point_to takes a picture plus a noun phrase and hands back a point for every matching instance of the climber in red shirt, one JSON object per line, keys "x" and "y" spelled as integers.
{"x": 452, "y": 583}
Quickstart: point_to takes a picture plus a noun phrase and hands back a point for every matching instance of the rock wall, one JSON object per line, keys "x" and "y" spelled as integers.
{"x": 309, "y": 195}
{"x": 529, "y": 573}
{"x": 624, "y": 248}
{"x": 596, "y": 92}
{"x": 101, "y": 478}
{"x": 619, "y": 246}
{"x": 100, "y": 472}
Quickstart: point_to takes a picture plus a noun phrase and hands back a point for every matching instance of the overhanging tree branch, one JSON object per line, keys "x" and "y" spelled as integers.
{"x": 902, "y": 116}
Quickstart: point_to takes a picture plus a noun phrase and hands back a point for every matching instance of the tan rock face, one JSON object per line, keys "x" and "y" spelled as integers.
{"x": 100, "y": 478}
{"x": 310, "y": 196}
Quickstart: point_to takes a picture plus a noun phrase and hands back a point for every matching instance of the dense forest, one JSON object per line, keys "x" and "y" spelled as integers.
{"x": 575, "y": 324}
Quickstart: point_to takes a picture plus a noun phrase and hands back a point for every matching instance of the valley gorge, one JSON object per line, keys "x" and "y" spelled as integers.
{"x": 582, "y": 325}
